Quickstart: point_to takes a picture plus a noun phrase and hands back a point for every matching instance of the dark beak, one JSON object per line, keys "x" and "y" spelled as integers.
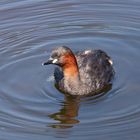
{"x": 50, "y": 61}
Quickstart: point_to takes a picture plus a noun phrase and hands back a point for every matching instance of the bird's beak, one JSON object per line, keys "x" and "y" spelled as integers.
{"x": 50, "y": 61}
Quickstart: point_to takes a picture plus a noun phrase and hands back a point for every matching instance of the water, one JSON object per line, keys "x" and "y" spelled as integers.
{"x": 31, "y": 107}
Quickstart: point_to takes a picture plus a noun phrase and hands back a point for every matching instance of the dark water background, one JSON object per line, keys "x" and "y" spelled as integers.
{"x": 31, "y": 107}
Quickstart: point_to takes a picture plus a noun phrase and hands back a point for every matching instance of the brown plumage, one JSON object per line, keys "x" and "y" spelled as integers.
{"x": 82, "y": 73}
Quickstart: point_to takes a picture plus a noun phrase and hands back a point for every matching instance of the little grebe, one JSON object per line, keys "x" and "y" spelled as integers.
{"x": 83, "y": 73}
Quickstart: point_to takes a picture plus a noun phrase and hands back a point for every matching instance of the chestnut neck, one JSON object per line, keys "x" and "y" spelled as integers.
{"x": 70, "y": 67}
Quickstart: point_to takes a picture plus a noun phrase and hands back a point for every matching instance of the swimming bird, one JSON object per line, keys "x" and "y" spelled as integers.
{"x": 82, "y": 73}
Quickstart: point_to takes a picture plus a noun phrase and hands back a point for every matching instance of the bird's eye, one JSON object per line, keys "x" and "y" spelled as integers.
{"x": 55, "y": 55}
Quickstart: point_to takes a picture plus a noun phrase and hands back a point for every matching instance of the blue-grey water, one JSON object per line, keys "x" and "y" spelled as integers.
{"x": 31, "y": 107}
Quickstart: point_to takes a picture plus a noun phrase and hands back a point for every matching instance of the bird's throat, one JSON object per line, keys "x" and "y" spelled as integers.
{"x": 71, "y": 72}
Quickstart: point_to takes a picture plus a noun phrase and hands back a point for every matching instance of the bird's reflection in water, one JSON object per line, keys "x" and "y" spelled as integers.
{"x": 67, "y": 114}
{"x": 69, "y": 111}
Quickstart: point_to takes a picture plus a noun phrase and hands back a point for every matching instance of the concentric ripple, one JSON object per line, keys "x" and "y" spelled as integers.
{"x": 31, "y": 107}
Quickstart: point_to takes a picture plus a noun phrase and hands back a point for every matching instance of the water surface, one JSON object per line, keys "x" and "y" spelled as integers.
{"x": 31, "y": 107}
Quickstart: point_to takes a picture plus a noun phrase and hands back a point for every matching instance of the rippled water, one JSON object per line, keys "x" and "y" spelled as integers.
{"x": 30, "y": 105}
